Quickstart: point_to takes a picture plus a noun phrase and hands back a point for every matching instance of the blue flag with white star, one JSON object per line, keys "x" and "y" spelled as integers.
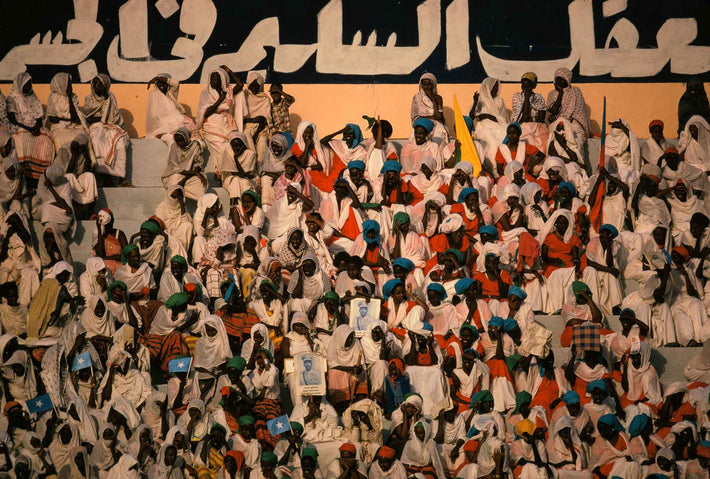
{"x": 278, "y": 425}
{"x": 181, "y": 365}
{"x": 39, "y": 404}
{"x": 81, "y": 361}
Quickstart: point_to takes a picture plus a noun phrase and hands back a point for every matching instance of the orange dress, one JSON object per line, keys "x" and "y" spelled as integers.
{"x": 489, "y": 287}
{"x": 557, "y": 248}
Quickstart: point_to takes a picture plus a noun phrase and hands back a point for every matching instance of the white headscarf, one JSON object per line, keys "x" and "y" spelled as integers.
{"x": 163, "y": 113}
{"x": 324, "y": 159}
{"x": 211, "y": 352}
{"x": 338, "y": 353}
{"x": 487, "y": 104}
{"x": 549, "y": 226}
{"x": 122, "y": 469}
{"x": 97, "y": 325}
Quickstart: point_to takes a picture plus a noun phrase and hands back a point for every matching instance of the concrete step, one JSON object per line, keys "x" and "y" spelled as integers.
{"x": 140, "y": 202}
{"x": 147, "y": 160}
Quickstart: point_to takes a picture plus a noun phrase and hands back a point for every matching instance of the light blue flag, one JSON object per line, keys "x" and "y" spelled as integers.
{"x": 278, "y": 425}
{"x": 39, "y": 404}
{"x": 181, "y": 365}
{"x": 82, "y": 361}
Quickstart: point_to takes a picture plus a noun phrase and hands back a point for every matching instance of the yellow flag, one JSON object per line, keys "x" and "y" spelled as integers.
{"x": 468, "y": 151}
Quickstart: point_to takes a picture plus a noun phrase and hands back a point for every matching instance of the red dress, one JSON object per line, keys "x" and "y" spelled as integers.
{"x": 561, "y": 250}
{"x": 318, "y": 178}
{"x": 489, "y": 287}
{"x": 470, "y": 225}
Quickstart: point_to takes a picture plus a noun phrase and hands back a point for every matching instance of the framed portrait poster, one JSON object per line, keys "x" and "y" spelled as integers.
{"x": 310, "y": 373}
{"x": 363, "y": 312}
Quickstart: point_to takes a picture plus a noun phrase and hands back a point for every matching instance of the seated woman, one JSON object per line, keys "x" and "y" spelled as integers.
{"x": 427, "y": 180}
{"x": 440, "y": 313}
{"x": 112, "y": 240}
{"x": 449, "y": 270}
{"x": 53, "y": 207}
{"x": 64, "y": 117}
{"x": 514, "y": 149}
{"x": 403, "y": 242}
{"x": 214, "y": 118}
{"x": 610, "y": 451}
{"x": 560, "y": 252}
{"x": 18, "y": 261}
{"x": 163, "y": 338}
{"x": 350, "y": 148}
{"x": 562, "y": 144}
{"x": 291, "y": 249}
{"x": 106, "y": 129}
{"x": 311, "y": 158}
{"x": 271, "y": 309}
{"x": 345, "y": 366}
{"x": 536, "y": 210}
{"x": 96, "y": 279}
{"x": 394, "y": 189}
{"x": 272, "y": 166}
{"x": 267, "y": 387}
{"x": 52, "y": 305}
{"x": 307, "y": 285}
{"x": 342, "y": 211}
{"x": 423, "y": 358}
{"x": 420, "y": 454}
{"x": 218, "y": 262}
{"x": 379, "y": 149}
{"x": 164, "y": 115}
{"x": 420, "y": 147}
{"x": 491, "y": 117}
{"x": 474, "y": 213}
{"x": 75, "y": 158}
{"x": 136, "y": 274}
{"x": 567, "y": 102}
{"x": 427, "y": 104}
{"x": 172, "y": 212}
{"x": 647, "y": 206}
{"x": 601, "y": 272}
{"x": 374, "y": 253}
{"x": 452, "y": 236}
{"x": 209, "y": 218}
{"x": 185, "y": 165}
{"x": 34, "y": 146}
{"x": 529, "y": 110}
{"x": 252, "y": 111}
{"x": 288, "y": 211}
{"x": 248, "y": 212}
{"x": 694, "y": 143}
{"x": 238, "y": 167}
{"x": 13, "y": 185}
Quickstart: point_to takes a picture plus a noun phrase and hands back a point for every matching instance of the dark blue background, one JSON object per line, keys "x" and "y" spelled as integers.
{"x": 510, "y": 29}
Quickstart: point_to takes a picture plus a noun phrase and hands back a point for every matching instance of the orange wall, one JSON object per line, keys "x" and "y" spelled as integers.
{"x": 331, "y": 106}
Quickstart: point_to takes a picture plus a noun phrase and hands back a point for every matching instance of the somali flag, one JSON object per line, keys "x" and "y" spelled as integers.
{"x": 39, "y": 404}
{"x": 81, "y": 361}
{"x": 181, "y": 365}
{"x": 278, "y": 425}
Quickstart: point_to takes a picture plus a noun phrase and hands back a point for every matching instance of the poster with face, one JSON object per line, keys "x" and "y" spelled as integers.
{"x": 310, "y": 374}
{"x": 362, "y": 313}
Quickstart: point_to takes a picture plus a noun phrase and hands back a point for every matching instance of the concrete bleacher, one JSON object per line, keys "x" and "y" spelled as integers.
{"x": 132, "y": 206}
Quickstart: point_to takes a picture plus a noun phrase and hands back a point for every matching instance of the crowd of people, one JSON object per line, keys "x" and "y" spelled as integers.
{"x": 407, "y": 287}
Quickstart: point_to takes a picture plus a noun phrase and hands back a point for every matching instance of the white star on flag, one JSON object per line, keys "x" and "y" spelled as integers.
{"x": 279, "y": 425}
{"x": 38, "y": 404}
{"x": 180, "y": 365}
{"x": 80, "y": 361}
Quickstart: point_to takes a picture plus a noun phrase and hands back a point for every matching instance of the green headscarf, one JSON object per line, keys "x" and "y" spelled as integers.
{"x": 296, "y": 427}
{"x": 455, "y": 252}
{"x": 116, "y": 284}
{"x": 521, "y": 398}
{"x": 268, "y": 354}
{"x": 512, "y": 360}
{"x": 255, "y": 195}
{"x": 332, "y": 295}
{"x": 238, "y": 363}
{"x": 269, "y": 457}
{"x": 150, "y": 226}
{"x": 269, "y": 283}
{"x": 399, "y": 219}
{"x": 311, "y": 452}
{"x": 246, "y": 420}
{"x": 177, "y": 300}
{"x": 179, "y": 259}
{"x": 580, "y": 287}
{"x": 126, "y": 251}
